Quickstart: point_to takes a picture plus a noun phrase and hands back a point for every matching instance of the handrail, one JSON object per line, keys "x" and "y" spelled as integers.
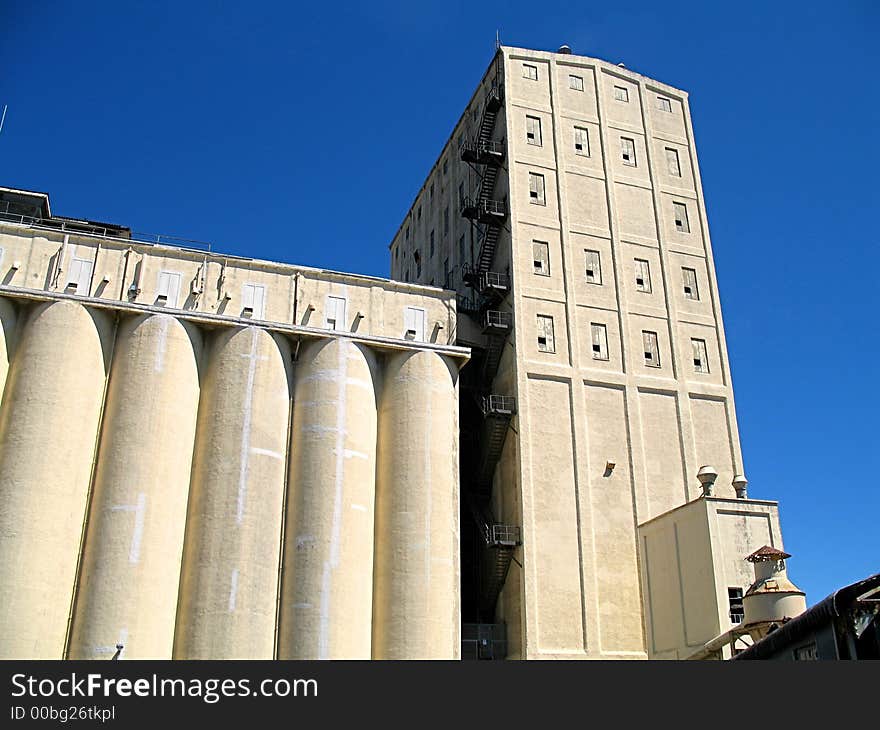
{"x": 499, "y": 404}
{"x": 495, "y": 318}
{"x": 91, "y": 229}
{"x": 505, "y": 534}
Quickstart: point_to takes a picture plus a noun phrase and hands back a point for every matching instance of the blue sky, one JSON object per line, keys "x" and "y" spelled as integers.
{"x": 240, "y": 124}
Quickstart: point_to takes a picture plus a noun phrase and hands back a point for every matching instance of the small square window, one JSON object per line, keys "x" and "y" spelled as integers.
{"x": 628, "y": 151}
{"x": 530, "y": 72}
{"x": 582, "y": 141}
{"x": 621, "y": 93}
{"x": 593, "y": 267}
{"x": 700, "y": 355}
{"x": 599, "y": 338}
{"x": 575, "y": 82}
{"x": 663, "y": 104}
{"x": 681, "y": 218}
{"x": 651, "y": 349}
{"x": 643, "y": 276}
{"x": 689, "y": 281}
{"x": 672, "y": 163}
{"x": 533, "y": 131}
{"x": 546, "y": 340}
{"x": 735, "y": 602}
{"x": 541, "y": 258}
{"x": 536, "y": 189}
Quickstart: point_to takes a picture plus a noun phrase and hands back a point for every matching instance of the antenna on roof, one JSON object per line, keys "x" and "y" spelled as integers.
{"x": 3, "y": 118}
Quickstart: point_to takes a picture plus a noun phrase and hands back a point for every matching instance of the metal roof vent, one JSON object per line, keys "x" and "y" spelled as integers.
{"x": 564, "y": 49}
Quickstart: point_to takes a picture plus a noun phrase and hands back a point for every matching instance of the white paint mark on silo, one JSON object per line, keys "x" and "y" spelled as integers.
{"x": 161, "y": 343}
{"x": 266, "y": 452}
{"x": 333, "y": 562}
{"x": 233, "y": 589}
{"x": 134, "y": 552}
{"x": 246, "y": 427}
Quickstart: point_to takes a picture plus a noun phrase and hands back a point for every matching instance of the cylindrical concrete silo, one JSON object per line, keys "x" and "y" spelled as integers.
{"x": 130, "y": 570}
{"x": 416, "y": 586}
{"x": 7, "y": 339}
{"x": 326, "y": 596}
{"x": 48, "y": 432}
{"x": 229, "y": 577}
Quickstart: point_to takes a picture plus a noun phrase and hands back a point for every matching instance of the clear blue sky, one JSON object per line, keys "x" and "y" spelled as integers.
{"x": 243, "y": 126}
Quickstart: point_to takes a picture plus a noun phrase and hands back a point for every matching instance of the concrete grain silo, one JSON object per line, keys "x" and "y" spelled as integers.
{"x": 192, "y": 460}
{"x": 48, "y": 431}
{"x": 229, "y": 578}
{"x": 127, "y": 590}
{"x": 7, "y": 338}
{"x": 326, "y": 596}
{"x": 417, "y": 503}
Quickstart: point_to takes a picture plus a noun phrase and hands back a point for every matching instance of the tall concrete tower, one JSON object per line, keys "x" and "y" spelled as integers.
{"x": 567, "y": 212}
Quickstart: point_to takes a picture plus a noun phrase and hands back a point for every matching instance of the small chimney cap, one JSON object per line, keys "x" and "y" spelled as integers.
{"x": 767, "y": 553}
{"x": 564, "y": 48}
{"x": 706, "y": 474}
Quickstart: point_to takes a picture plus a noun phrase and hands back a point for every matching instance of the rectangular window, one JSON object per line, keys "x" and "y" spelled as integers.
{"x": 253, "y": 297}
{"x": 432, "y": 191}
{"x": 643, "y": 276}
{"x": 628, "y": 151}
{"x": 431, "y": 247}
{"x": 530, "y": 72}
{"x": 169, "y": 289}
{"x": 735, "y": 601}
{"x": 689, "y": 280}
{"x": 419, "y": 216}
{"x": 681, "y": 218}
{"x": 407, "y": 233}
{"x": 417, "y": 257}
{"x": 334, "y": 313}
{"x": 672, "y": 163}
{"x": 575, "y": 82}
{"x": 446, "y": 221}
{"x": 445, "y": 165}
{"x": 546, "y": 341}
{"x": 663, "y": 104}
{"x": 701, "y": 362}
{"x": 414, "y": 324}
{"x": 582, "y": 141}
{"x": 460, "y": 193}
{"x": 599, "y": 337}
{"x": 447, "y": 284}
{"x": 593, "y": 267}
{"x": 541, "y": 258}
{"x": 461, "y": 249}
{"x": 621, "y": 93}
{"x": 651, "y": 348}
{"x": 79, "y": 278}
{"x": 536, "y": 189}
{"x": 533, "y": 131}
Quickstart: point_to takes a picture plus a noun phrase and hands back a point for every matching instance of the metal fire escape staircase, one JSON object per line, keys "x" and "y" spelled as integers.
{"x": 488, "y": 155}
{"x": 500, "y": 543}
